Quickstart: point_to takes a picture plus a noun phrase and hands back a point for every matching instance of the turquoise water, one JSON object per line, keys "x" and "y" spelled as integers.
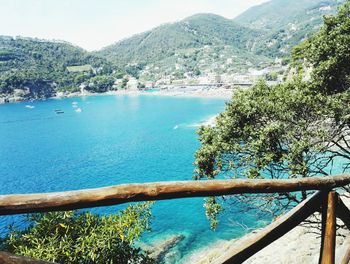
{"x": 113, "y": 140}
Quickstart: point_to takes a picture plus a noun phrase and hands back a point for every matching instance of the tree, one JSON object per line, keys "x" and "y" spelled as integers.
{"x": 71, "y": 237}
{"x": 271, "y": 76}
{"x": 328, "y": 53}
{"x": 100, "y": 84}
{"x": 292, "y": 130}
{"x": 272, "y": 132}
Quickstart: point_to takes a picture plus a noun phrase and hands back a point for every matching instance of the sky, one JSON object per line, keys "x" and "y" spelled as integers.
{"x": 93, "y": 24}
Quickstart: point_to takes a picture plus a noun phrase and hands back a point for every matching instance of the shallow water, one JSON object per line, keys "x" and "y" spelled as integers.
{"x": 113, "y": 140}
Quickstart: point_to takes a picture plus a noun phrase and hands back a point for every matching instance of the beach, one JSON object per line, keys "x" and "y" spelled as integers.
{"x": 219, "y": 93}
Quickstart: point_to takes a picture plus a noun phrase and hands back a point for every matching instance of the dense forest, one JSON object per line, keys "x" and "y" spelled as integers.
{"x": 38, "y": 69}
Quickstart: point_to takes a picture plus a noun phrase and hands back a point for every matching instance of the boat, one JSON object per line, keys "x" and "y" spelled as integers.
{"x": 58, "y": 111}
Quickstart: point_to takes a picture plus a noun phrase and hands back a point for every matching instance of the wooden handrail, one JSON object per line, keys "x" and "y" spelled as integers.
{"x": 69, "y": 200}
{"x": 251, "y": 244}
{"x": 13, "y": 259}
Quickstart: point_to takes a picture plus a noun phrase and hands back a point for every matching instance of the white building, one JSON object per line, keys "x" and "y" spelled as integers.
{"x": 132, "y": 84}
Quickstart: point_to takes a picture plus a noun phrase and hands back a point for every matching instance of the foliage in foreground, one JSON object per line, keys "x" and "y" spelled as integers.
{"x": 71, "y": 237}
{"x": 293, "y": 130}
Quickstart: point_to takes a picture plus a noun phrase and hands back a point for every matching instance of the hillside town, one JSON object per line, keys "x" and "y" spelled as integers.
{"x": 273, "y": 74}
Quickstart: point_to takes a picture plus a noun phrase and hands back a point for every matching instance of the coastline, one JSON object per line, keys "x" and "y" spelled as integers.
{"x": 217, "y": 93}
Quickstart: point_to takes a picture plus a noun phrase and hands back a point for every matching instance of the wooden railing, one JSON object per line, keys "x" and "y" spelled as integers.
{"x": 324, "y": 200}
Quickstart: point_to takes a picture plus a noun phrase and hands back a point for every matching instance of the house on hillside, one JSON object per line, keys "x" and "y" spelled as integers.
{"x": 214, "y": 78}
{"x": 132, "y": 84}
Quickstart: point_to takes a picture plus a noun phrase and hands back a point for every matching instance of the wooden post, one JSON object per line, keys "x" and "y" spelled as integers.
{"x": 323, "y": 222}
{"x": 328, "y": 249}
{"x": 13, "y": 259}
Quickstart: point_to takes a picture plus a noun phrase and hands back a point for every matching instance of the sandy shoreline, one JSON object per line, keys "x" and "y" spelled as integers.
{"x": 218, "y": 93}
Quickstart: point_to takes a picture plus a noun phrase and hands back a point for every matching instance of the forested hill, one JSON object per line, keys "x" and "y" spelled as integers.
{"x": 200, "y": 45}
{"x": 197, "y": 44}
{"x": 39, "y": 68}
{"x": 284, "y": 23}
{"x": 204, "y": 42}
{"x": 194, "y": 32}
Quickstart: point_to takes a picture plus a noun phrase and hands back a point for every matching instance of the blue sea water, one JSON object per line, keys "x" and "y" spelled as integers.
{"x": 114, "y": 140}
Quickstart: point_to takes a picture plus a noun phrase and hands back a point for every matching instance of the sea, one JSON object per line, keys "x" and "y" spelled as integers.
{"x": 97, "y": 141}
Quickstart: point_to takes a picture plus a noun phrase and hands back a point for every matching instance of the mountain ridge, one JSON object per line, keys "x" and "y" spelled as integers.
{"x": 258, "y": 35}
{"x": 200, "y": 45}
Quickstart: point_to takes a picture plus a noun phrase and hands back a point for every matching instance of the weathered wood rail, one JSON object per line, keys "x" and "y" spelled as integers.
{"x": 324, "y": 200}
{"x": 125, "y": 193}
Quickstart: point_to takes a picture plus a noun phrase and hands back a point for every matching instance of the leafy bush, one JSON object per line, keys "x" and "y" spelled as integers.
{"x": 71, "y": 237}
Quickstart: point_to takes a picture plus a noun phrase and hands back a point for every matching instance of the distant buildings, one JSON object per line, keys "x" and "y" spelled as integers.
{"x": 213, "y": 75}
{"x": 132, "y": 84}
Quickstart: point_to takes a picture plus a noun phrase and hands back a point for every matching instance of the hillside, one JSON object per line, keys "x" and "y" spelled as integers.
{"x": 193, "y": 32}
{"x": 207, "y": 43}
{"x": 203, "y": 45}
{"x": 285, "y": 23}
{"x": 34, "y": 68}
{"x": 200, "y": 43}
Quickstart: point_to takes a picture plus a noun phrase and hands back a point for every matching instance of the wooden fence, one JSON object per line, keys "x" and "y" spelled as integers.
{"x": 324, "y": 200}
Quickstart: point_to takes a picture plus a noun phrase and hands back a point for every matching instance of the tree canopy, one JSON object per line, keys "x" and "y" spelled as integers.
{"x": 296, "y": 129}
{"x": 41, "y": 68}
{"x": 328, "y": 53}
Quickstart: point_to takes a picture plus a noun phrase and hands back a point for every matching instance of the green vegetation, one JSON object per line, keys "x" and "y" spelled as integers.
{"x": 70, "y": 237}
{"x": 82, "y": 68}
{"x": 38, "y": 69}
{"x": 196, "y": 44}
{"x": 328, "y": 52}
{"x": 100, "y": 84}
{"x": 210, "y": 43}
{"x": 202, "y": 44}
{"x": 284, "y": 24}
{"x": 164, "y": 41}
{"x": 272, "y": 76}
{"x": 292, "y": 130}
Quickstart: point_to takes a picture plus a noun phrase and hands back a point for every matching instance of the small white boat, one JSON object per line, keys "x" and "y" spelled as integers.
{"x": 30, "y": 106}
{"x": 78, "y": 110}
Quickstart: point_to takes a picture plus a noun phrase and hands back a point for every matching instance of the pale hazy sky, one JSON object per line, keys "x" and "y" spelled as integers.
{"x": 93, "y": 24}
